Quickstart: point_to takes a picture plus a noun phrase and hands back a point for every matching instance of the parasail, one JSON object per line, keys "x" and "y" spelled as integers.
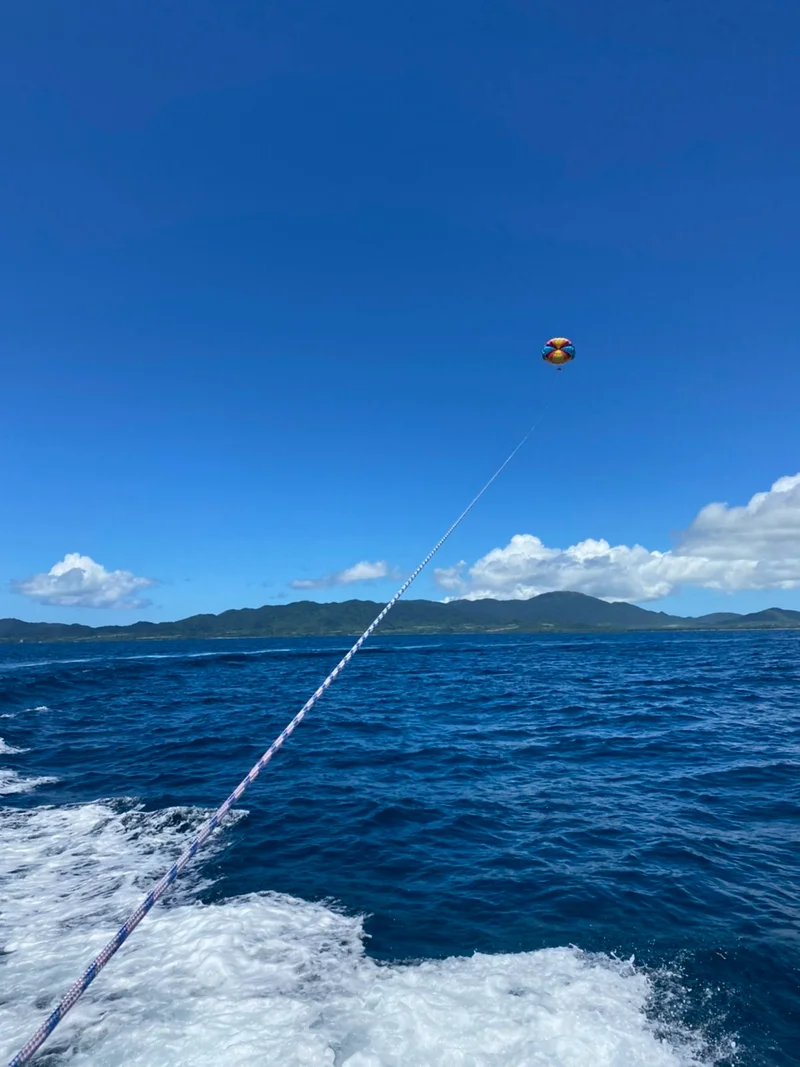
{"x": 558, "y": 351}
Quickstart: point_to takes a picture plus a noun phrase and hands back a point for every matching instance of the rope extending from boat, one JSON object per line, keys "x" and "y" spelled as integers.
{"x": 98, "y": 963}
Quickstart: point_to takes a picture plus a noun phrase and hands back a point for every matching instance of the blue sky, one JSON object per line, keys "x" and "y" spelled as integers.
{"x": 274, "y": 281}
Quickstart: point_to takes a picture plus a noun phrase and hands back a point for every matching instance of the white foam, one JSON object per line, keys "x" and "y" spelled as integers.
{"x": 11, "y": 782}
{"x": 22, "y": 664}
{"x": 9, "y": 750}
{"x": 217, "y": 653}
{"x": 267, "y": 979}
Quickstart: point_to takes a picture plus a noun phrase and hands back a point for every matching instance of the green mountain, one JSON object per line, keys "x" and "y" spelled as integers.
{"x": 771, "y": 619}
{"x": 553, "y": 612}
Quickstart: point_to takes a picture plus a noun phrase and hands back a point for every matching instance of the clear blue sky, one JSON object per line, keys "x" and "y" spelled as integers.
{"x": 274, "y": 281}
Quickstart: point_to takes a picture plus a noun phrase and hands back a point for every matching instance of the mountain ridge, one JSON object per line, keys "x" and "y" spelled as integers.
{"x": 548, "y": 612}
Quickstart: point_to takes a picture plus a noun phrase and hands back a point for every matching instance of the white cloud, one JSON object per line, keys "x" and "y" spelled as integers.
{"x": 77, "y": 581}
{"x": 359, "y": 572}
{"x": 755, "y": 546}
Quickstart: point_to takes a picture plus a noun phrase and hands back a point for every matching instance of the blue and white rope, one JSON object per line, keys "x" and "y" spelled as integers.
{"x": 133, "y": 920}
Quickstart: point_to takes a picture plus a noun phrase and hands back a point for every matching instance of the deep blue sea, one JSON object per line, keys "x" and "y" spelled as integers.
{"x": 506, "y": 851}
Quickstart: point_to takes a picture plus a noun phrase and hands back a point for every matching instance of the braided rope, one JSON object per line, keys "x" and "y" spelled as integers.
{"x": 161, "y": 887}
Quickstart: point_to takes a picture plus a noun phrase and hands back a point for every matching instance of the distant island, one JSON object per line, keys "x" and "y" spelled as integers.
{"x": 548, "y": 613}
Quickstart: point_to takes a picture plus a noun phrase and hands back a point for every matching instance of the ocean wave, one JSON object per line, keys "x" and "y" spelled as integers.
{"x": 19, "y": 665}
{"x": 12, "y": 783}
{"x": 9, "y": 750}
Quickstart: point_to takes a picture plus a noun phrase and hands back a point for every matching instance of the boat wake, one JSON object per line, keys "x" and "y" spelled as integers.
{"x": 268, "y": 979}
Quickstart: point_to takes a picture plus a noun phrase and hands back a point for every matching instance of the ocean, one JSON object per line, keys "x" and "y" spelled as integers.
{"x": 574, "y": 851}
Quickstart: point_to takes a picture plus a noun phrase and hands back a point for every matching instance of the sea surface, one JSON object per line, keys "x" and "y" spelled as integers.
{"x": 574, "y": 851}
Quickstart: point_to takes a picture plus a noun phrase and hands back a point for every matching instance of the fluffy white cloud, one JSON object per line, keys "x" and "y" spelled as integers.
{"x": 756, "y": 546}
{"x": 359, "y": 572}
{"x": 77, "y": 581}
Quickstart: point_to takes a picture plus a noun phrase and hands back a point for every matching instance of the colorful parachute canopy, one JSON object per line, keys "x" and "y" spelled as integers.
{"x": 558, "y": 351}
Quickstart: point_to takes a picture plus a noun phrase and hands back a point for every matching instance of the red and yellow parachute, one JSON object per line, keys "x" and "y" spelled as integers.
{"x": 558, "y": 351}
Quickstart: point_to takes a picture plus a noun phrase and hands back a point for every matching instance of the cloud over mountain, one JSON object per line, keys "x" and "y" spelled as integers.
{"x": 78, "y": 581}
{"x": 359, "y": 572}
{"x": 731, "y": 549}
